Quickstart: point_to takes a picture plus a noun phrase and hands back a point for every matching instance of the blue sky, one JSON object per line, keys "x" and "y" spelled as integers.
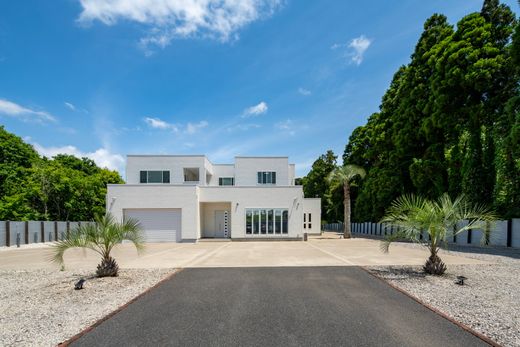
{"x": 254, "y": 77}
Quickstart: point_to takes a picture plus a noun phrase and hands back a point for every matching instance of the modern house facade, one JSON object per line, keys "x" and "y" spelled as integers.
{"x": 183, "y": 198}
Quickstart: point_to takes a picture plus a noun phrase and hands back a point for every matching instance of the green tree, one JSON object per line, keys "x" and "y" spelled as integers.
{"x": 412, "y": 215}
{"x": 344, "y": 176}
{"x": 101, "y": 237}
{"x": 315, "y": 184}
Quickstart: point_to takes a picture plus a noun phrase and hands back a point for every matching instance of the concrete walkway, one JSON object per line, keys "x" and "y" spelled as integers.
{"x": 315, "y": 252}
{"x": 327, "y": 306}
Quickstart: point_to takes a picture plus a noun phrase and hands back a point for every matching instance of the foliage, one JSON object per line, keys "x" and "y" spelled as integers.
{"x": 437, "y": 221}
{"x": 315, "y": 184}
{"x": 62, "y": 188}
{"x": 344, "y": 177}
{"x": 101, "y": 237}
{"x": 449, "y": 121}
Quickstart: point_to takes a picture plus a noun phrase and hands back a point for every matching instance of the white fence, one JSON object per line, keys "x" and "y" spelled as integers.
{"x": 504, "y": 233}
{"x": 13, "y": 233}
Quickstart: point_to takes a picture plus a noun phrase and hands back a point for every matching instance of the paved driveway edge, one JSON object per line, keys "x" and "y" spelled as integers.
{"x": 117, "y": 310}
{"x": 433, "y": 309}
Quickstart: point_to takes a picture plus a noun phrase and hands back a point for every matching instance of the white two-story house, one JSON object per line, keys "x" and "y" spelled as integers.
{"x": 183, "y": 198}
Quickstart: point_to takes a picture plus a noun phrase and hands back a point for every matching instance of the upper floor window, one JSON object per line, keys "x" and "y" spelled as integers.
{"x": 155, "y": 177}
{"x": 266, "y": 177}
{"x": 191, "y": 174}
{"x": 226, "y": 181}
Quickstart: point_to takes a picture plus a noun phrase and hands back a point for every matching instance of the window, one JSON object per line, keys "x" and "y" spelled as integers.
{"x": 249, "y": 222}
{"x": 307, "y": 219}
{"x": 154, "y": 177}
{"x": 266, "y": 177}
{"x": 226, "y": 181}
{"x": 267, "y": 221}
{"x": 191, "y": 174}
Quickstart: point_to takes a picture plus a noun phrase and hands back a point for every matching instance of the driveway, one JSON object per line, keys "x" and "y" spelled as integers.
{"x": 280, "y": 306}
{"x": 315, "y": 252}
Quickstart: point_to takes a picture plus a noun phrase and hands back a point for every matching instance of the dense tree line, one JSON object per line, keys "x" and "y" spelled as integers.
{"x": 449, "y": 122}
{"x": 38, "y": 188}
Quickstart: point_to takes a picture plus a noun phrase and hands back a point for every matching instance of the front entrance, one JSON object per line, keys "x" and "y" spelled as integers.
{"x": 222, "y": 224}
{"x": 215, "y": 220}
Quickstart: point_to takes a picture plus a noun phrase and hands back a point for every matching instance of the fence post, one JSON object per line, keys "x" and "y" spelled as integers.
{"x": 454, "y": 235}
{"x": 68, "y": 229}
{"x": 7, "y": 233}
{"x": 509, "y": 233}
{"x": 469, "y": 237}
{"x": 55, "y": 231}
{"x": 26, "y": 232}
{"x": 42, "y": 232}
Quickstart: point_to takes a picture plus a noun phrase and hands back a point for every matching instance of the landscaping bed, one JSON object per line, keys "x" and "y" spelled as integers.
{"x": 489, "y": 301}
{"x": 41, "y": 307}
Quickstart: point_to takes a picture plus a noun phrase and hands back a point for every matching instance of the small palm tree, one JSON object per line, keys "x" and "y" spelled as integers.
{"x": 345, "y": 175}
{"x": 413, "y": 215}
{"x": 101, "y": 237}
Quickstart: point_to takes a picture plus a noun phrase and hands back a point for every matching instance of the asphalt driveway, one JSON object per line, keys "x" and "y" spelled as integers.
{"x": 303, "y": 306}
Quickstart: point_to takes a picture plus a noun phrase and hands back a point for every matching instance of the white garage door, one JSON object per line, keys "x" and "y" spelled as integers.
{"x": 159, "y": 225}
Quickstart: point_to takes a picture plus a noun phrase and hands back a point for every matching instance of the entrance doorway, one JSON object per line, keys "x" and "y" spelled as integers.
{"x": 221, "y": 224}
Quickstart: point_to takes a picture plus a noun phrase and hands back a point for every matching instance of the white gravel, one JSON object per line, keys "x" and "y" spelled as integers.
{"x": 41, "y": 308}
{"x": 489, "y": 302}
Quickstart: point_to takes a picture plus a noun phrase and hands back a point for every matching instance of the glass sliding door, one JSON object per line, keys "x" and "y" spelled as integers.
{"x": 249, "y": 222}
{"x": 285, "y": 221}
{"x": 270, "y": 221}
{"x": 278, "y": 221}
{"x": 263, "y": 221}
{"x": 267, "y": 221}
{"x": 256, "y": 221}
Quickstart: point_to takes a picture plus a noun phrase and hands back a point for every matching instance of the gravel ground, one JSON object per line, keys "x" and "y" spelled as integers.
{"x": 489, "y": 302}
{"x": 41, "y": 308}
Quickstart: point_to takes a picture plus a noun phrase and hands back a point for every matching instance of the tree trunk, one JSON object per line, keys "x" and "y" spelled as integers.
{"x": 434, "y": 265}
{"x": 346, "y": 205}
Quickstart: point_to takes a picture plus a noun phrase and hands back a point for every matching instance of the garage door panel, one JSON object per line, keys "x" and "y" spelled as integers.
{"x": 159, "y": 225}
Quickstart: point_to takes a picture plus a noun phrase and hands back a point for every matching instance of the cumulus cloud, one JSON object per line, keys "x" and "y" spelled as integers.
{"x": 170, "y": 19}
{"x": 157, "y": 123}
{"x": 356, "y": 48}
{"x": 102, "y": 156}
{"x": 304, "y": 92}
{"x": 12, "y": 109}
{"x": 359, "y": 45}
{"x": 255, "y": 110}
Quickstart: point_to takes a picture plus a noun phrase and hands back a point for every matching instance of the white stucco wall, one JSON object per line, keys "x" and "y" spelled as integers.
{"x": 313, "y": 206}
{"x": 241, "y": 198}
{"x": 174, "y": 164}
{"x": 124, "y": 196}
{"x": 246, "y": 169}
{"x": 221, "y": 170}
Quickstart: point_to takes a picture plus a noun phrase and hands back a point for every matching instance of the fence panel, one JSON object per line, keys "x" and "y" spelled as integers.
{"x": 17, "y": 228}
{"x": 515, "y": 232}
{"x": 62, "y": 230}
{"x": 48, "y": 231}
{"x": 34, "y": 232}
{"x": 2, "y": 233}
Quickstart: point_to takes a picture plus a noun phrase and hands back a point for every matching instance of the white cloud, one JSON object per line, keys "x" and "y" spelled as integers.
{"x": 359, "y": 45}
{"x": 157, "y": 123}
{"x": 12, "y": 109}
{"x": 255, "y": 110}
{"x": 304, "y": 91}
{"x": 102, "y": 157}
{"x": 70, "y": 106}
{"x": 192, "y": 128}
{"x": 170, "y": 19}
{"x": 243, "y": 127}
{"x": 286, "y": 126}
{"x": 356, "y": 48}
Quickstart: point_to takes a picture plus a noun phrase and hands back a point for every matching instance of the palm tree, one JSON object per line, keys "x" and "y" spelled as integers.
{"x": 101, "y": 237}
{"x": 412, "y": 215}
{"x": 344, "y": 175}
